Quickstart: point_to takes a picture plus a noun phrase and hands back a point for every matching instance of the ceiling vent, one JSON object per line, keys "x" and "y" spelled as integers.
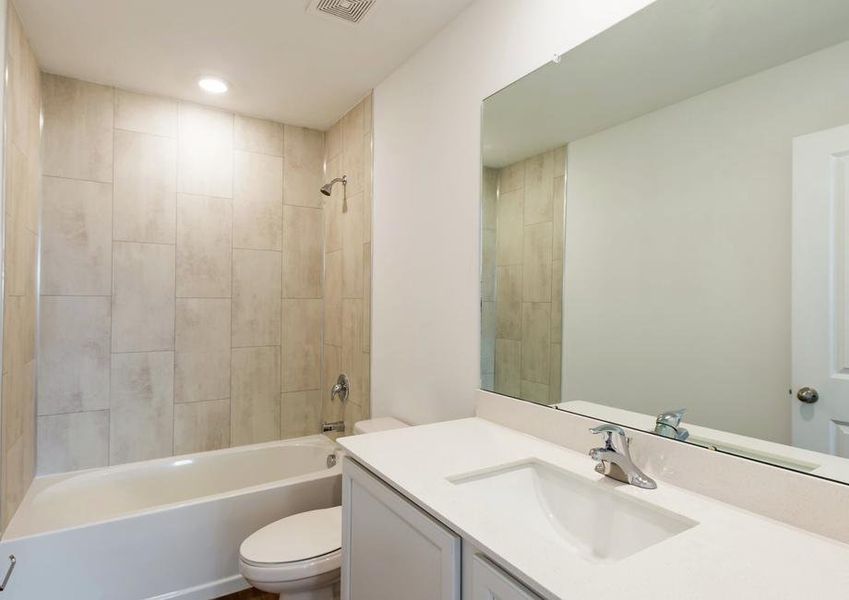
{"x": 350, "y": 11}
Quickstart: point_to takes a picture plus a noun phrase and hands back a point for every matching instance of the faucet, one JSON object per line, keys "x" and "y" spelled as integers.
{"x": 337, "y": 426}
{"x": 668, "y": 424}
{"x": 341, "y": 389}
{"x": 614, "y": 458}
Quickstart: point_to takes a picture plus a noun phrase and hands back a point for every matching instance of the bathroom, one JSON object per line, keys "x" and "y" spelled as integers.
{"x": 382, "y": 300}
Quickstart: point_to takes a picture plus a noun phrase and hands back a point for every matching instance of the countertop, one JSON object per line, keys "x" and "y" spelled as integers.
{"x": 729, "y": 554}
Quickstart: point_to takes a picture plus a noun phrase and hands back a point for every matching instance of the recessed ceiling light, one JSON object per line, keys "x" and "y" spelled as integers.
{"x": 212, "y": 85}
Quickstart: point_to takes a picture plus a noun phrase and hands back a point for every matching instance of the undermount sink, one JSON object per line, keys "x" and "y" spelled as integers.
{"x": 590, "y": 518}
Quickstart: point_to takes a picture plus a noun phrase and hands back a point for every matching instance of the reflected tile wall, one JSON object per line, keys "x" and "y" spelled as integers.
{"x": 182, "y": 305}
{"x": 347, "y": 277}
{"x": 522, "y": 214}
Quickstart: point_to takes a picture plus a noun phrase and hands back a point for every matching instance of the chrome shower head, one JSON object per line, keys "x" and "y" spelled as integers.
{"x": 328, "y": 187}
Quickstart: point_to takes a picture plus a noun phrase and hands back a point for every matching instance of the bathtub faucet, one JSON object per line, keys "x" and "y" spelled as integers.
{"x": 341, "y": 389}
{"x": 337, "y": 426}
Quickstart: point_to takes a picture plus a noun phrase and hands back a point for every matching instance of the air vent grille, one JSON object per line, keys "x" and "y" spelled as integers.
{"x": 352, "y": 11}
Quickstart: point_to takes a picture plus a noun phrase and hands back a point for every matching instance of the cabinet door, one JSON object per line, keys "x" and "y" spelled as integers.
{"x": 491, "y": 583}
{"x": 391, "y": 549}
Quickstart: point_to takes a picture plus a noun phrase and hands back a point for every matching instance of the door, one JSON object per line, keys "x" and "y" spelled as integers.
{"x": 820, "y": 291}
{"x": 391, "y": 549}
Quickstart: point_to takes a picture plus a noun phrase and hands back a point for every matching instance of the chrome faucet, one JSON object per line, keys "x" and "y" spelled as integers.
{"x": 614, "y": 458}
{"x": 668, "y": 424}
{"x": 337, "y": 426}
{"x": 341, "y": 389}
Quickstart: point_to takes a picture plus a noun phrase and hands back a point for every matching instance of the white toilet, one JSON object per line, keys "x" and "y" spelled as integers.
{"x": 300, "y": 556}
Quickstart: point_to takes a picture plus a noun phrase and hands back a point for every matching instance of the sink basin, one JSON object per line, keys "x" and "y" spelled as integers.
{"x": 589, "y": 518}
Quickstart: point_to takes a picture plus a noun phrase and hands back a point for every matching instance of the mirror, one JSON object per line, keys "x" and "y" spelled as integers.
{"x": 665, "y": 232}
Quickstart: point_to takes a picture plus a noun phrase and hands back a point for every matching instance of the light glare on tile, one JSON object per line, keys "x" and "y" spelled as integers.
{"x": 212, "y": 85}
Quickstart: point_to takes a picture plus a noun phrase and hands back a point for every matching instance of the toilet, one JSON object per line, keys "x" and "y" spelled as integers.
{"x": 300, "y": 556}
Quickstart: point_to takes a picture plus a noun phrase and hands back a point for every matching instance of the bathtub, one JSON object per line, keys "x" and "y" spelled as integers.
{"x": 165, "y": 528}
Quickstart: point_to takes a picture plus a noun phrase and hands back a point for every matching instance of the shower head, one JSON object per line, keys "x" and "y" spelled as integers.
{"x": 328, "y": 187}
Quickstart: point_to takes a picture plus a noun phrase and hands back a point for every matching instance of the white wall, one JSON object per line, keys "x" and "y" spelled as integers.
{"x": 678, "y": 250}
{"x": 425, "y": 328}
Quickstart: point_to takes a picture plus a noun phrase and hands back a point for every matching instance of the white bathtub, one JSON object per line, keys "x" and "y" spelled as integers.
{"x": 165, "y": 528}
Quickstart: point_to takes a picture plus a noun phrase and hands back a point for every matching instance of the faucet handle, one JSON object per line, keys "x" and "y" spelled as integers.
{"x": 671, "y": 417}
{"x": 608, "y": 430}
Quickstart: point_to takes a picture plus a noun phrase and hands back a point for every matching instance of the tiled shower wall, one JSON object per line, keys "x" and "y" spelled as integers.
{"x": 20, "y": 301}
{"x": 181, "y": 278}
{"x": 522, "y": 277}
{"x": 347, "y": 231}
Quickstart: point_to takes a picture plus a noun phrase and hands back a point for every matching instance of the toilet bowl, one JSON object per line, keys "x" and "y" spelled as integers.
{"x": 298, "y": 557}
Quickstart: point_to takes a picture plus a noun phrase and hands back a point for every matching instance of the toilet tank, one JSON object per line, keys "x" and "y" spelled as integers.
{"x": 379, "y": 424}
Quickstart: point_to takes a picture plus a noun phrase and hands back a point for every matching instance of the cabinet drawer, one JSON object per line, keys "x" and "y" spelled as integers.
{"x": 491, "y": 583}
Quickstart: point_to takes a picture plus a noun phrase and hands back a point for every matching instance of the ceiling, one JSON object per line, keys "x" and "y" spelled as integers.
{"x": 282, "y": 63}
{"x": 663, "y": 54}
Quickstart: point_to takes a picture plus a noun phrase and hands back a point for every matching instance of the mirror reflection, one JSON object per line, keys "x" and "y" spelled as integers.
{"x": 664, "y": 230}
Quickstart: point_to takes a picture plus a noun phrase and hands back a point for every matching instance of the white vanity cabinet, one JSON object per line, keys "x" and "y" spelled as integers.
{"x": 391, "y": 549}
{"x": 488, "y": 582}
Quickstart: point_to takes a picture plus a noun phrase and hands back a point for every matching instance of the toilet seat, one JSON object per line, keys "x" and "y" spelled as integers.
{"x": 300, "y": 546}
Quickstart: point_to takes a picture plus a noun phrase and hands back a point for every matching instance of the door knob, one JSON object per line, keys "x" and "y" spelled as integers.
{"x": 808, "y": 395}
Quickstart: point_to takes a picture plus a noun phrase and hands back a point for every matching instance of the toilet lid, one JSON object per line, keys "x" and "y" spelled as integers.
{"x": 298, "y": 537}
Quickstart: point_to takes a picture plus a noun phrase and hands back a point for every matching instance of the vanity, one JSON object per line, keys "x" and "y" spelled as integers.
{"x": 472, "y": 509}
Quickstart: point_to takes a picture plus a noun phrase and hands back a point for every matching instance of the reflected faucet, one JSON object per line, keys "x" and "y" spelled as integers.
{"x": 614, "y": 458}
{"x": 668, "y": 424}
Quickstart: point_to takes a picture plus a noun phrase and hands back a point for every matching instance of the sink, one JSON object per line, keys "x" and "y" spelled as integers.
{"x": 587, "y": 517}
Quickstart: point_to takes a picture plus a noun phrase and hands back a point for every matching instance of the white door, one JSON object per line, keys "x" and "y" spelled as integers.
{"x": 820, "y": 295}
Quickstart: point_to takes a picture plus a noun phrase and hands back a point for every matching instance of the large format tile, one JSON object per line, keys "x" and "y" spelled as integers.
{"x": 303, "y": 163}
{"x": 73, "y": 441}
{"x": 204, "y": 234}
{"x": 205, "y": 155}
{"x": 145, "y": 114}
{"x": 539, "y": 188}
{"x": 141, "y": 424}
{"x": 256, "y": 298}
{"x": 536, "y": 276}
{"x": 201, "y": 426}
{"x": 259, "y": 135}
{"x": 76, "y": 255}
{"x": 352, "y": 248}
{"x": 255, "y": 399}
{"x": 332, "y": 208}
{"x": 508, "y": 304}
{"x": 19, "y": 327}
{"x": 202, "y": 359}
{"x": 508, "y": 364}
{"x": 302, "y": 252}
{"x": 301, "y": 349}
{"x": 73, "y": 370}
{"x": 23, "y": 90}
{"x": 300, "y": 414}
{"x": 352, "y": 149}
{"x": 145, "y": 188}
{"x": 143, "y": 297}
{"x": 77, "y": 136}
{"x": 18, "y": 402}
{"x": 536, "y": 332}
{"x": 509, "y": 240}
{"x": 354, "y": 360}
{"x": 258, "y": 202}
{"x": 333, "y": 298}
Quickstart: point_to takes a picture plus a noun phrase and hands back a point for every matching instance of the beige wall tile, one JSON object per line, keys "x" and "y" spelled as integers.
{"x": 368, "y": 108}
{"x": 487, "y": 337}
{"x": 539, "y": 188}
{"x": 333, "y": 208}
{"x": 556, "y": 301}
{"x": 533, "y": 391}
{"x": 204, "y": 246}
{"x": 367, "y": 297}
{"x": 559, "y": 168}
{"x": 18, "y": 471}
{"x": 301, "y": 350}
{"x": 536, "y": 329}
{"x": 331, "y": 409}
{"x": 77, "y": 136}
{"x": 18, "y": 403}
{"x": 558, "y": 218}
{"x": 333, "y": 141}
{"x": 259, "y": 135}
{"x": 258, "y": 202}
{"x": 145, "y": 114}
{"x": 143, "y": 297}
{"x": 554, "y": 379}
{"x": 300, "y": 414}
{"x": 509, "y": 302}
{"x": 201, "y": 426}
{"x": 333, "y": 298}
{"x": 73, "y": 371}
{"x": 368, "y": 191}
{"x": 141, "y": 422}
{"x": 303, "y": 164}
{"x": 19, "y": 340}
{"x": 536, "y": 277}
{"x": 537, "y": 244}
{"x": 354, "y": 360}
{"x": 145, "y": 189}
{"x": 76, "y": 254}
{"x": 508, "y": 246}
{"x": 508, "y": 362}
{"x": 257, "y": 292}
{"x": 302, "y": 252}
{"x": 205, "y": 159}
{"x": 22, "y": 178}
{"x": 255, "y": 401}
{"x": 202, "y": 357}
{"x": 489, "y": 197}
{"x": 352, "y": 248}
{"x": 23, "y": 90}
{"x": 73, "y": 441}
{"x": 353, "y": 160}
{"x": 511, "y": 177}
{"x": 21, "y": 259}
{"x": 488, "y": 240}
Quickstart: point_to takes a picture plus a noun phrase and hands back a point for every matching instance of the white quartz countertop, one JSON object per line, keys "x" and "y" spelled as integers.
{"x": 730, "y": 554}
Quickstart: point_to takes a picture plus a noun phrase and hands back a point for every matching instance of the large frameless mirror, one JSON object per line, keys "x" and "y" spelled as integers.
{"x": 665, "y": 230}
